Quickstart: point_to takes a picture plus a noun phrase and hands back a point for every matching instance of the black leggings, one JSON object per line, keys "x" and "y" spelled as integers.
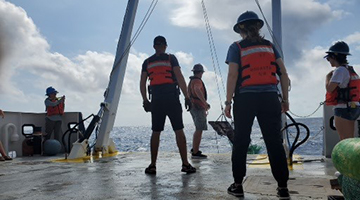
{"x": 267, "y": 109}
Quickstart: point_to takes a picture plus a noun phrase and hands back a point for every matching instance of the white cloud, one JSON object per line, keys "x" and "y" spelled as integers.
{"x": 308, "y": 82}
{"x": 185, "y": 58}
{"x": 353, "y": 38}
{"x": 30, "y": 65}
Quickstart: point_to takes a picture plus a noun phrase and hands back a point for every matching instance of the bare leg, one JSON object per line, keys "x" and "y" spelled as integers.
{"x": 154, "y": 146}
{"x": 196, "y": 140}
{"x": 181, "y": 143}
{"x": 344, "y": 127}
{"x": 2, "y": 151}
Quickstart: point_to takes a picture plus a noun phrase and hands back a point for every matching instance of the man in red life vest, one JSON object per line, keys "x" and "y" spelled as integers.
{"x": 198, "y": 96}
{"x": 54, "y": 111}
{"x": 165, "y": 77}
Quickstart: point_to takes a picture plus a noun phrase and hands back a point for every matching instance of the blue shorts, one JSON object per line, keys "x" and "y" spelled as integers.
{"x": 347, "y": 113}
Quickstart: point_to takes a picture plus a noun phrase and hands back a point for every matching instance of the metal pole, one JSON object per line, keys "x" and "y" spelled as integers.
{"x": 112, "y": 95}
{"x": 277, "y": 40}
{"x": 276, "y": 23}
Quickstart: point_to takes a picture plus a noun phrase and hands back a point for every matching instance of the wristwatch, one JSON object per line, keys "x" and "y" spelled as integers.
{"x": 284, "y": 101}
{"x": 228, "y": 103}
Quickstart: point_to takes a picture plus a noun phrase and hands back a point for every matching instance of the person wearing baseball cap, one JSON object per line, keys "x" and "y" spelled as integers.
{"x": 165, "y": 78}
{"x": 160, "y": 40}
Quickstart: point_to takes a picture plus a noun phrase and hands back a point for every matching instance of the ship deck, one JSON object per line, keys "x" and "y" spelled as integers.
{"x": 122, "y": 177}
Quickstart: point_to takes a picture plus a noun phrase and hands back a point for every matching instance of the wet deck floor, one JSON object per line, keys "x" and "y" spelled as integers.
{"x": 123, "y": 177}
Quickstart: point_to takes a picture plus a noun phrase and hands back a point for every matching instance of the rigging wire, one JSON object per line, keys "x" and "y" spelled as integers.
{"x": 269, "y": 28}
{"x": 138, "y": 31}
{"x": 215, "y": 64}
{"x": 213, "y": 53}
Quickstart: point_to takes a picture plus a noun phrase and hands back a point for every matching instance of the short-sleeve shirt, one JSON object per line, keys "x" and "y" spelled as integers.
{"x": 341, "y": 76}
{"x": 173, "y": 60}
{"x": 233, "y": 55}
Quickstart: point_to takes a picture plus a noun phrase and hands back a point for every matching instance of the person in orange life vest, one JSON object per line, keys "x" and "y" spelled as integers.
{"x": 198, "y": 96}
{"x": 252, "y": 84}
{"x": 342, "y": 90}
{"x": 164, "y": 74}
{"x": 54, "y": 111}
{"x": 2, "y": 150}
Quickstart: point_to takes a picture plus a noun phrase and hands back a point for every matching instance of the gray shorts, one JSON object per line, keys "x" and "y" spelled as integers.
{"x": 199, "y": 117}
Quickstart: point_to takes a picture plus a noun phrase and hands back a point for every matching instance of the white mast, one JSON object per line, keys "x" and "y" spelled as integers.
{"x": 112, "y": 94}
{"x": 108, "y": 109}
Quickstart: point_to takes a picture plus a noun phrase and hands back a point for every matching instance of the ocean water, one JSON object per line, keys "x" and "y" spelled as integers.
{"x": 137, "y": 138}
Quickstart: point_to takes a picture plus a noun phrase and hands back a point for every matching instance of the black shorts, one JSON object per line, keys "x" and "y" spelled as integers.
{"x": 166, "y": 105}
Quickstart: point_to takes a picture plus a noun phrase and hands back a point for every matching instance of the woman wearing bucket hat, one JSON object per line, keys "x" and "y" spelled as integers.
{"x": 252, "y": 84}
{"x": 342, "y": 90}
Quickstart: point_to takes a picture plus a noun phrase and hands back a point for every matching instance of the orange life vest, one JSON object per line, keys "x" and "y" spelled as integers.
{"x": 258, "y": 64}
{"x": 55, "y": 110}
{"x": 193, "y": 96}
{"x": 344, "y": 95}
{"x": 160, "y": 72}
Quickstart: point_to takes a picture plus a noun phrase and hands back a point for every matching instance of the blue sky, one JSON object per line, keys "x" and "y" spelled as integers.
{"x": 71, "y": 45}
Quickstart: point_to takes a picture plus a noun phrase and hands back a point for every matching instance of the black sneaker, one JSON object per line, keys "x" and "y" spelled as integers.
{"x": 283, "y": 193}
{"x": 188, "y": 169}
{"x": 198, "y": 155}
{"x": 236, "y": 190}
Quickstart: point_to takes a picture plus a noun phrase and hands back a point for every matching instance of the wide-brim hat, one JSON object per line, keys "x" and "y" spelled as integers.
{"x": 248, "y": 17}
{"x": 198, "y": 68}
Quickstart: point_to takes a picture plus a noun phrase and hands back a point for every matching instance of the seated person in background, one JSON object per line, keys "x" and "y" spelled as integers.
{"x": 2, "y": 151}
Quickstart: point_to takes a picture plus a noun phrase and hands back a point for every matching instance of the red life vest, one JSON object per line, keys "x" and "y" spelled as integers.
{"x": 344, "y": 95}
{"x": 160, "y": 71}
{"x": 193, "y": 96}
{"x": 55, "y": 110}
{"x": 258, "y": 64}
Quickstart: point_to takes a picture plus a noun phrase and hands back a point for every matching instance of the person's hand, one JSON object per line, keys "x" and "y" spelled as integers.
{"x": 147, "y": 105}
{"x": 188, "y": 104}
{"x": 2, "y": 114}
{"x": 329, "y": 75}
{"x": 228, "y": 111}
{"x": 284, "y": 106}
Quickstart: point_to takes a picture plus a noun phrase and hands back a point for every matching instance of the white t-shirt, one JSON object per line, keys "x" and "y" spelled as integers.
{"x": 341, "y": 75}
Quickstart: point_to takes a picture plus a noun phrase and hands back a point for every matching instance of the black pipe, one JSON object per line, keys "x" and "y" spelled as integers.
{"x": 73, "y": 130}
{"x": 90, "y": 128}
{"x": 295, "y": 144}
